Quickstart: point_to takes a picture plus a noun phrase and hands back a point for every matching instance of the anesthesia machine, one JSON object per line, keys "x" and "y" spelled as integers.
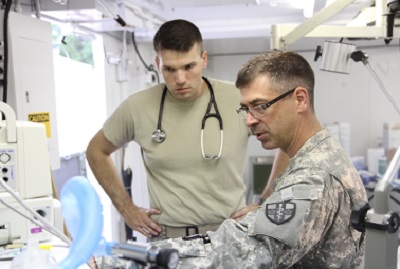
{"x": 25, "y": 174}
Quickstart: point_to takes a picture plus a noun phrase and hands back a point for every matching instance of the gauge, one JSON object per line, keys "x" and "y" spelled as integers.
{"x": 4, "y": 157}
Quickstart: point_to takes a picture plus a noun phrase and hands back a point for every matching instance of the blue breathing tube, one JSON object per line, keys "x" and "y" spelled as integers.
{"x": 83, "y": 216}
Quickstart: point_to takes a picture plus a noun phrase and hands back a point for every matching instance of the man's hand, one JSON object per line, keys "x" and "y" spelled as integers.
{"x": 240, "y": 214}
{"x": 140, "y": 220}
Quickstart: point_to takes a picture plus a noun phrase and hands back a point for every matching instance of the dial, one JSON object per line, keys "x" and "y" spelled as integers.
{"x": 4, "y": 157}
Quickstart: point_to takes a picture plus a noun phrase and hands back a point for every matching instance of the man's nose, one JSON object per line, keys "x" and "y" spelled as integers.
{"x": 250, "y": 120}
{"x": 180, "y": 77}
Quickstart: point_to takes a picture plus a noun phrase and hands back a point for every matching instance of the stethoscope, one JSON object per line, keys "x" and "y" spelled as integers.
{"x": 159, "y": 135}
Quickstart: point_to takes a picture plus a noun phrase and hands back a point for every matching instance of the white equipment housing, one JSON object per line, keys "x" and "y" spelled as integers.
{"x": 31, "y": 81}
{"x": 17, "y": 229}
{"x": 25, "y": 167}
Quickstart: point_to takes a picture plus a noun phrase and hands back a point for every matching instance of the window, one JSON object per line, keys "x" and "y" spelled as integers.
{"x": 73, "y": 44}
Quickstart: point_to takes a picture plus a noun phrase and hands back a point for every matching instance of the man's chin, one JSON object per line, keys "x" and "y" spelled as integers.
{"x": 267, "y": 145}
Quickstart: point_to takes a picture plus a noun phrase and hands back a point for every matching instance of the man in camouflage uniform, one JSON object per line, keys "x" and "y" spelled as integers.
{"x": 305, "y": 223}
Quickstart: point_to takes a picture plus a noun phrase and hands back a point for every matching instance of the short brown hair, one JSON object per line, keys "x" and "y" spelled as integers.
{"x": 177, "y": 35}
{"x": 285, "y": 69}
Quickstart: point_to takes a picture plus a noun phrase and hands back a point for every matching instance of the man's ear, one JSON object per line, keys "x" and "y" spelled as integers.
{"x": 205, "y": 58}
{"x": 158, "y": 63}
{"x": 301, "y": 95}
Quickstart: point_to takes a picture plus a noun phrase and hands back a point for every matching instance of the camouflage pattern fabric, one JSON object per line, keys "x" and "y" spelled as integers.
{"x": 304, "y": 224}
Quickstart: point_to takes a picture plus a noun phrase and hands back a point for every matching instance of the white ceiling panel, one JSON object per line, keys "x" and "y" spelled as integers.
{"x": 202, "y": 3}
{"x": 216, "y": 18}
{"x": 246, "y": 18}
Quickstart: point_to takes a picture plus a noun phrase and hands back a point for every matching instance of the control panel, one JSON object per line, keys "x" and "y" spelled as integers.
{"x": 7, "y": 167}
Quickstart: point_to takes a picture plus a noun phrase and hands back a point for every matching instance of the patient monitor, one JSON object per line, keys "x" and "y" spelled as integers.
{"x": 25, "y": 168}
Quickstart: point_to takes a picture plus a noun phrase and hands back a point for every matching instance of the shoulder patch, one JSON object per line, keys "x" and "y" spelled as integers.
{"x": 280, "y": 213}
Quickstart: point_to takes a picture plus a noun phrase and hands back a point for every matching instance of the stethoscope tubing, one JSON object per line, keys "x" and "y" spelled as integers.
{"x": 159, "y": 135}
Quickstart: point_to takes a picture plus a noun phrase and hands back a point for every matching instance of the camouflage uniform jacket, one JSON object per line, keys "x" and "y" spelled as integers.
{"x": 304, "y": 224}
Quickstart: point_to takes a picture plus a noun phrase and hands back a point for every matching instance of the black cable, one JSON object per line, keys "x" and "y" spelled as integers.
{"x": 127, "y": 181}
{"x": 390, "y": 196}
{"x": 160, "y": 113}
{"x": 120, "y": 21}
{"x": 395, "y": 199}
{"x": 149, "y": 68}
{"x": 5, "y": 38}
{"x": 137, "y": 51}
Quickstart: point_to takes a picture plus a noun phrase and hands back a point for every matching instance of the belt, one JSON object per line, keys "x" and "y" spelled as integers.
{"x": 173, "y": 232}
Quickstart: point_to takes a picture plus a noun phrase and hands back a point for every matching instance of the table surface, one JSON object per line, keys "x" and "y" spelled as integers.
{"x": 58, "y": 250}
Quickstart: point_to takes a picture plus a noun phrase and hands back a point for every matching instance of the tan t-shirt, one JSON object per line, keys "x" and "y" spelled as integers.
{"x": 188, "y": 189}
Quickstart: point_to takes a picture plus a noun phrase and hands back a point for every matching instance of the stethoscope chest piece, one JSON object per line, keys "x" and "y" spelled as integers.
{"x": 158, "y": 136}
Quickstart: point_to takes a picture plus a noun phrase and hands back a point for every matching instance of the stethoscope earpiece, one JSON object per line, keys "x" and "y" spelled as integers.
{"x": 158, "y": 136}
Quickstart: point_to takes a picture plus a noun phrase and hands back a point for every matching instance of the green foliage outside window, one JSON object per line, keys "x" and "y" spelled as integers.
{"x": 76, "y": 47}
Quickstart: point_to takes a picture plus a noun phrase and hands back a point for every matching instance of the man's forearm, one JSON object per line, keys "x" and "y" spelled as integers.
{"x": 106, "y": 174}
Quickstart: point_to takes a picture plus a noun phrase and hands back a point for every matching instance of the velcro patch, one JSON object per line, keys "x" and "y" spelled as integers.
{"x": 280, "y": 213}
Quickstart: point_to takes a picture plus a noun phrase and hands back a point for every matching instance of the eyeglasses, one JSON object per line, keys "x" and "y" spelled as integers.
{"x": 260, "y": 110}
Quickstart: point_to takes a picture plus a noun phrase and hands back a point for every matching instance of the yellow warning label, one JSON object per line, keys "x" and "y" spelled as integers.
{"x": 43, "y": 117}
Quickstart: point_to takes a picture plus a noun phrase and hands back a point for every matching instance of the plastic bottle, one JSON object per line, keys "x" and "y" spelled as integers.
{"x": 382, "y": 165}
{"x": 32, "y": 257}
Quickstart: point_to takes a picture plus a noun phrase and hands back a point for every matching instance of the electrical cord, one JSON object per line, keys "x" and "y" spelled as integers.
{"x": 25, "y": 216}
{"x": 387, "y": 94}
{"x": 361, "y": 56}
{"x": 149, "y": 68}
{"x": 397, "y": 201}
{"x": 372, "y": 189}
{"x": 5, "y": 38}
{"x": 116, "y": 17}
{"x": 45, "y": 223}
